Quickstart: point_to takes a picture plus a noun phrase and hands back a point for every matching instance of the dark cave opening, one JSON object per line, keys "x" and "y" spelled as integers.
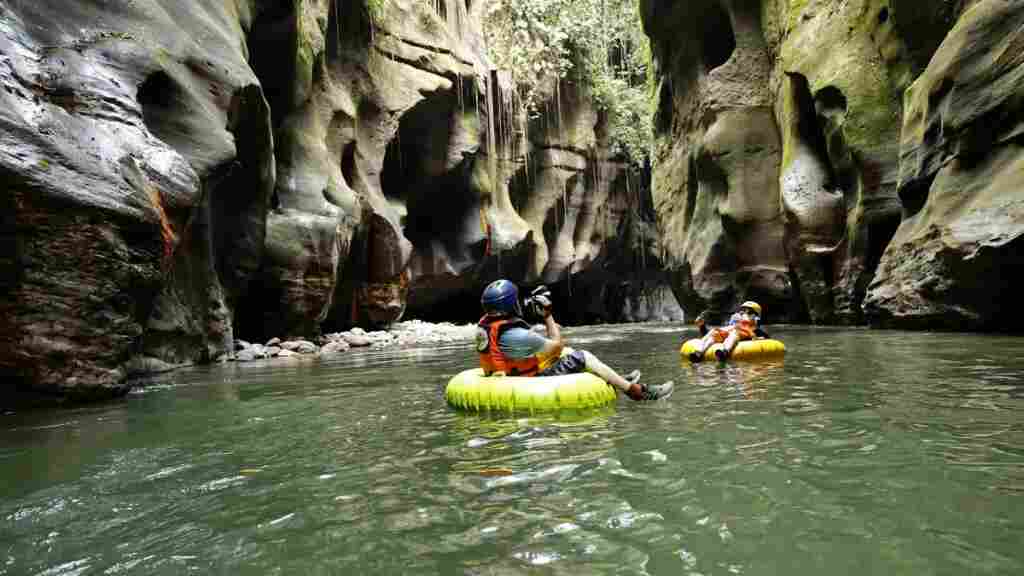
{"x": 238, "y": 221}
{"x": 416, "y": 171}
{"x": 348, "y": 163}
{"x": 914, "y": 194}
{"x": 164, "y": 109}
{"x": 808, "y": 124}
{"x": 272, "y": 45}
{"x": 719, "y": 40}
{"x": 427, "y": 173}
{"x": 829, "y": 101}
{"x": 665, "y": 112}
{"x": 880, "y": 233}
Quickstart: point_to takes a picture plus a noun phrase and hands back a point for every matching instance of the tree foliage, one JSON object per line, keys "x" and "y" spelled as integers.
{"x": 599, "y": 42}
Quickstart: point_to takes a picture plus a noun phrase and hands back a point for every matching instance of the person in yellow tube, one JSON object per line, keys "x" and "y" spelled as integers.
{"x": 745, "y": 324}
{"x": 506, "y": 344}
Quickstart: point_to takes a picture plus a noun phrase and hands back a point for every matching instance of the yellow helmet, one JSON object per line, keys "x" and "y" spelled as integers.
{"x": 752, "y": 305}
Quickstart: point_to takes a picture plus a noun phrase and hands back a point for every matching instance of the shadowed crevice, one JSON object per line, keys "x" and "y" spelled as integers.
{"x": 719, "y": 38}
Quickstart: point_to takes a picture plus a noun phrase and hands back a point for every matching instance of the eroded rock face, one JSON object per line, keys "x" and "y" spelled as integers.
{"x": 550, "y": 205}
{"x": 840, "y": 76}
{"x": 715, "y": 184}
{"x": 117, "y": 123}
{"x": 807, "y": 94}
{"x": 954, "y": 259}
{"x": 179, "y": 175}
{"x": 367, "y": 122}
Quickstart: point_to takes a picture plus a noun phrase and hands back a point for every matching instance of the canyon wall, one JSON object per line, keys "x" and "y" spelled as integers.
{"x": 843, "y": 162}
{"x": 177, "y": 176}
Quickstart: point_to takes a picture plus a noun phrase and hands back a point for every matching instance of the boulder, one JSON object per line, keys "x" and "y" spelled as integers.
{"x": 334, "y": 347}
{"x": 356, "y": 340}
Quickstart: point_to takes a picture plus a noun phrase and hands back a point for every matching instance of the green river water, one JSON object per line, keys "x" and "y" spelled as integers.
{"x": 865, "y": 452}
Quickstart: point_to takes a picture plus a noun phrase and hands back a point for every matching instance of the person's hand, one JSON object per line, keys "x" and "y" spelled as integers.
{"x": 540, "y": 298}
{"x": 542, "y": 305}
{"x": 699, "y": 320}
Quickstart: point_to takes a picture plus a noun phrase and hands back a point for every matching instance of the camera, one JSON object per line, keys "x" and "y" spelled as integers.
{"x": 538, "y": 303}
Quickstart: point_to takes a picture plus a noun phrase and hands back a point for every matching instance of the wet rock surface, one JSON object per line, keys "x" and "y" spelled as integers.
{"x": 183, "y": 178}
{"x": 794, "y": 138}
{"x": 952, "y": 263}
{"x": 115, "y": 128}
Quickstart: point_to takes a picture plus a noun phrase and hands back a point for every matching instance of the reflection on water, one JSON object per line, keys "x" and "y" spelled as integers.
{"x": 863, "y": 451}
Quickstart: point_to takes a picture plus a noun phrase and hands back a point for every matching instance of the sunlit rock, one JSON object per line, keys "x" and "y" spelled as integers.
{"x": 952, "y": 263}
{"x": 122, "y": 167}
{"x": 830, "y": 77}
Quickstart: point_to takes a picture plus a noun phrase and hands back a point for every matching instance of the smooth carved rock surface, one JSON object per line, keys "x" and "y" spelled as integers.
{"x": 367, "y": 124}
{"x": 716, "y": 180}
{"x": 181, "y": 175}
{"x": 833, "y": 76}
{"x": 954, "y": 259}
{"x": 115, "y": 121}
{"x": 842, "y": 69}
{"x": 591, "y": 219}
{"x": 549, "y": 206}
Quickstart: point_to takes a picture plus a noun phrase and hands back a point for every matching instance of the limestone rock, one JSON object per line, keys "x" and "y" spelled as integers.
{"x": 146, "y": 365}
{"x": 115, "y": 121}
{"x": 306, "y": 347}
{"x": 356, "y": 340}
{"x": 952, "y": 263}
{"x": 716, "y": 181}
{"x": 807, "y": 94}
{"x": 334, "y": 347}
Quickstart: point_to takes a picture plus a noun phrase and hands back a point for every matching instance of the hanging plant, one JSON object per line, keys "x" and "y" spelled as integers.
{"x": 602, "y": 41}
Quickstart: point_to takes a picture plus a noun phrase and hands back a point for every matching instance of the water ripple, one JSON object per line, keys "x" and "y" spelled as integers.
{"x": 870, "y": 451}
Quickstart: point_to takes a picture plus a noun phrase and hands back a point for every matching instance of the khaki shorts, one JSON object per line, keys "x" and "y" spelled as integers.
{"x": 569, "y": 364}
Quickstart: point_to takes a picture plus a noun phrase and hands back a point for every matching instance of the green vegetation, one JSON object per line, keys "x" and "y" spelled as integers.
{"x": 600, "y": 42}
{"x": 375, "y": 10}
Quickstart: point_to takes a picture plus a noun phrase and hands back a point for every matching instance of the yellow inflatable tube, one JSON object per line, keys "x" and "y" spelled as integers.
{"x": 762, "y": 349}
{"x": 471, "y": 390}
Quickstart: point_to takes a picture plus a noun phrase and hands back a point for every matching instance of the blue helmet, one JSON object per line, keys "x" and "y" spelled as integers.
{"x": 501, "y": 297}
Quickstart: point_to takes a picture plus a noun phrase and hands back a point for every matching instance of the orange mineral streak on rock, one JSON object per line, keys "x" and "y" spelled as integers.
{"x": 166, "y": 229}
{"x": 489, "y": 472}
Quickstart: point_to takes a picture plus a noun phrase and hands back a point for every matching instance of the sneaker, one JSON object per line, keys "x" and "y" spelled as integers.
{"x": 696, "y": 357}
{"x": 721, "y": 354}
{"x": 658, "y": 391}
{"x": 633, "y": 377}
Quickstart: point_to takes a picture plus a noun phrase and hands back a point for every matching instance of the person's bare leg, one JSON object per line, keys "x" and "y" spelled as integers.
{"x": 633, "y": 390}
{"x": 731, "y": 341}
{"x": 605, "y": 372}
{"x": 707, "y": 341}
{"x": 728, "y": 345}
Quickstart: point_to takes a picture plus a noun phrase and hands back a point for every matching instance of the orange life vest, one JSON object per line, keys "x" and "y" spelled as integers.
{"x": 491, "y": 357}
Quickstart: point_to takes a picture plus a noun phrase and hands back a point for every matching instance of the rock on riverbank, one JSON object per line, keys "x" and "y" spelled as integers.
{"x": 410, "y": 333}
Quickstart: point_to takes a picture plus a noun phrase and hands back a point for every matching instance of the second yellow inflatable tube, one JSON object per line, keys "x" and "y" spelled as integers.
{"x": 763, "y": 349}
